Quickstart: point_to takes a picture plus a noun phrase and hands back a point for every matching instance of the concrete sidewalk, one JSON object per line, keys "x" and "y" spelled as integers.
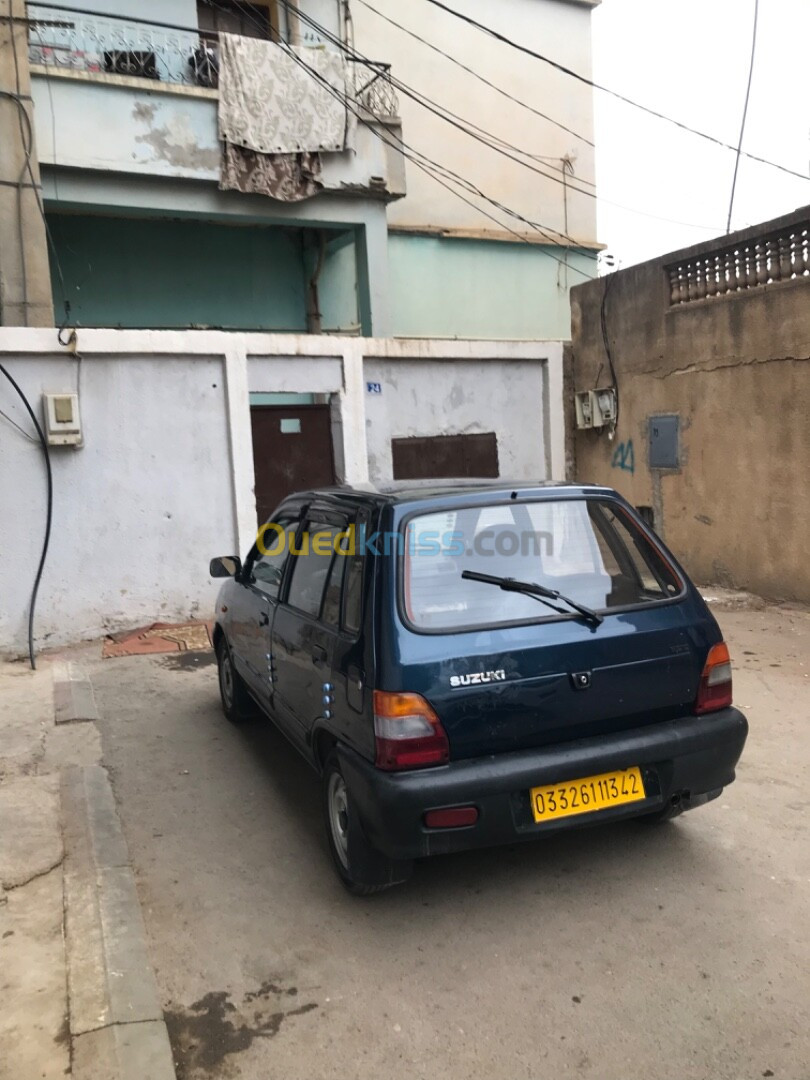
{"x": 79, "y": 996}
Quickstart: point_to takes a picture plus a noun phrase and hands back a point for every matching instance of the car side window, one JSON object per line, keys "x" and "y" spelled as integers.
{"x": 334, "y": 587}
{"x": 267, "y": 570}
{"x": 353, "y": 594}
{"x": 311, "y": 567}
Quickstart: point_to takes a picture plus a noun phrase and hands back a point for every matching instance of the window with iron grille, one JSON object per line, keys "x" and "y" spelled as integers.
{"x": 256, "y": 20}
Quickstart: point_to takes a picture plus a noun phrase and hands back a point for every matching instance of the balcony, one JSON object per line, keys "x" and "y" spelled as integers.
{"x": 122, "y": 95}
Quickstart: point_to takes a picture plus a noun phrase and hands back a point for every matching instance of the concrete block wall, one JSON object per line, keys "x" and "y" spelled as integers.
{"x": 735, "y": 369}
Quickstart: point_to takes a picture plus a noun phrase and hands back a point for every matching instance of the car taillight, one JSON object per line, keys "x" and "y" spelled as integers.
{"x": 714, "y": 691}
{"x": 408, "y": 733}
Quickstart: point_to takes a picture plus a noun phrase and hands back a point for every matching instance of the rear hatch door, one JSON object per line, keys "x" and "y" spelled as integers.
{"x": 554, "y": 682}
{"x": 504, "y": 671}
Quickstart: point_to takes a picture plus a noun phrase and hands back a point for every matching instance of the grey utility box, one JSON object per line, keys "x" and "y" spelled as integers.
{"x": 664, "y": 442}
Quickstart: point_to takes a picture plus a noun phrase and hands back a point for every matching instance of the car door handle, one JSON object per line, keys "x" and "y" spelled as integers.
{"x": 318, "y": 655}
{"x": 264, "y": 619}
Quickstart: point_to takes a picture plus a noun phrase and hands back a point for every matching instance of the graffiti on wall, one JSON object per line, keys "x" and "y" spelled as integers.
{"x": 624, "y": 457}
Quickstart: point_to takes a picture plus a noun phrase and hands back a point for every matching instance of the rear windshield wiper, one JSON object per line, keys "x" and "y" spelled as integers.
{"x": 539, "y": 592}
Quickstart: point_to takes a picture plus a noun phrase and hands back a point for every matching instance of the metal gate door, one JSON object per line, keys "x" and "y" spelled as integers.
{"x": 292, "y": 451}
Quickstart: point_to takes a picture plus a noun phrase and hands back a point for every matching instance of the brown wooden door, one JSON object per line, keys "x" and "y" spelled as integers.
{"x": 292, "y": 451}
{"x": 446, "y": 456}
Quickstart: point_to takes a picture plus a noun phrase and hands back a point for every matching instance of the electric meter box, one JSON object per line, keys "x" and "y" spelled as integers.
{"x": 595, "y": 408}
{"x": 63, "y": 426}
{"x": 605, "y": 407}
{"x": 585, "y": 404}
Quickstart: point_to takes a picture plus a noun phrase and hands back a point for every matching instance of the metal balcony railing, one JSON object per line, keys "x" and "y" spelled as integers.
{"x": 374, "y": 90}
{"x": 74, "y": 41}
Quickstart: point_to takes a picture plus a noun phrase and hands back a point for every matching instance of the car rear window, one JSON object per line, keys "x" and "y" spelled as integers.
{"x": 589, "y": 549}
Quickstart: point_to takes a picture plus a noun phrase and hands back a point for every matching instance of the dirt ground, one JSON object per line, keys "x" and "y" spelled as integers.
{"x": 622, "y": 951}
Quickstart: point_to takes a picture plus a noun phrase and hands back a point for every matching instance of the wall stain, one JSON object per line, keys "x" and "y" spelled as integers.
{"x": 143, "y": 112}
{"x": 62, "y": 1037}
{"x": 206, "y": 1033}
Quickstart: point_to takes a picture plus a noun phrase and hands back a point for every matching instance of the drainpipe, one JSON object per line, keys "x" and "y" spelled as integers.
{"x": 314, "y": 319}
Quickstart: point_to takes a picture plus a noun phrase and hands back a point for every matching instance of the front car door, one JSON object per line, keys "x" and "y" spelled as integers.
{"x": 254, "y": 604}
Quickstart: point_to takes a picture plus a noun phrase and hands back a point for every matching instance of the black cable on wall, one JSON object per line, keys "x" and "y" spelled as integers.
{"x": 48, "y": 519}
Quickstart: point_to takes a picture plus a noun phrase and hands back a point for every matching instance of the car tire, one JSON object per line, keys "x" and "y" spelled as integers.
{"x": 361, "y": 868}
{"x": 237, "y": 703}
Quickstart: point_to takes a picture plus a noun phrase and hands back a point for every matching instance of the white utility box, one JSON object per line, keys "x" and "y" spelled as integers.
{"x": 605, "y": 407}
{"x": 63, "y": 426}
{"x": 595, "y": 408}
{"x": 585, "y": 403}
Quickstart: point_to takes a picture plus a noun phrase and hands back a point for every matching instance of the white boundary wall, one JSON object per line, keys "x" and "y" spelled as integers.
{"x": 165, "y": 477}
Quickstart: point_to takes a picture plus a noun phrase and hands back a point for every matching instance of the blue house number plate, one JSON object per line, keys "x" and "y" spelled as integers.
{"x": 374, "y": 387}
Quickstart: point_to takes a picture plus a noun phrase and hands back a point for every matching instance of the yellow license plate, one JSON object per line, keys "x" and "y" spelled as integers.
{"x": 586, "y": 795}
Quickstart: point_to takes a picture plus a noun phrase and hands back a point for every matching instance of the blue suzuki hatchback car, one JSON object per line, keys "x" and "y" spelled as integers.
{"x": 475, "y": 663}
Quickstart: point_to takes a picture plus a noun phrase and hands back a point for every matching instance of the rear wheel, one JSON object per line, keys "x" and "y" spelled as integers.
{"x": 362, "y": 869}
{"x": 236, "y": 701}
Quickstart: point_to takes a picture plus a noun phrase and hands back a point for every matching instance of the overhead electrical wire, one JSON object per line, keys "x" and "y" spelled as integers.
{"x": 489, "y": 139}
{"x": 477, "y": 75}
{"x": 543, "y": 230}
{"x": 421, "y": 160}
{"x": 301, "y": 16}
{"x": 535, "y": 157}
{"x": 446, "y": 177}
{"x": 744, "y": 115}
{"x": 27, "y": 148}
{"x": 605, "y": 89}
{"x": 454, "y": 120}
{"x": 482, "y": 135}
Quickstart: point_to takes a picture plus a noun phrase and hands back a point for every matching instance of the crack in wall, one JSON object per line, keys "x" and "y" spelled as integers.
{"x": 696, "y": 369}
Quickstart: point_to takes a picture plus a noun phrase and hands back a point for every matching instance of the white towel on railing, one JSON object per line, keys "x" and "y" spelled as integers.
{"x": 271, "y": 103}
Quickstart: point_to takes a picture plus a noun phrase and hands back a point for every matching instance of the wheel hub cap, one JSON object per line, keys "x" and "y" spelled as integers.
{"x": 338, "y": 802}
{"x": 226, "y": 680}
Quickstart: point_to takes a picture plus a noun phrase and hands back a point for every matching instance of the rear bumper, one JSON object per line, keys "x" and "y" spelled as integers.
{"x": 690, "y": 758}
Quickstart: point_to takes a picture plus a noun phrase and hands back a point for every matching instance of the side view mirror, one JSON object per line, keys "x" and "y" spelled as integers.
{"x": 225, "y": 566}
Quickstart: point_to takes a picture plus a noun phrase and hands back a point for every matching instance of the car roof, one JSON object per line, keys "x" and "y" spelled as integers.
{"x": 407, "y": 491}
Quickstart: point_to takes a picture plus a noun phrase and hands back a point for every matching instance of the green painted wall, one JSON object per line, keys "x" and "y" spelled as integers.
{"x": 164, "y": 273}
{"x": 338, "y": 286}
{"x": 449, "y": 287}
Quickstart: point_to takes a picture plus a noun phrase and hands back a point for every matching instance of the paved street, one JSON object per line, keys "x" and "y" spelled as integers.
{"x": 678, "y": 951}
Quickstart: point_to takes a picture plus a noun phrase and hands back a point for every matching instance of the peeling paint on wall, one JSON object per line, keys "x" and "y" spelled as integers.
{"x": 175, "y": 143}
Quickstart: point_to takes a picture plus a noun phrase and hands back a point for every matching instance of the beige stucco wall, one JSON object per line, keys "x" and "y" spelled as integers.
{"x": 737, "y": 371}
{"x": 554, "y": 28}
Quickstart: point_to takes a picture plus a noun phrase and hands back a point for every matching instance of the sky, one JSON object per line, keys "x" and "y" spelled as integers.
{"x": 690, "y": 60}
